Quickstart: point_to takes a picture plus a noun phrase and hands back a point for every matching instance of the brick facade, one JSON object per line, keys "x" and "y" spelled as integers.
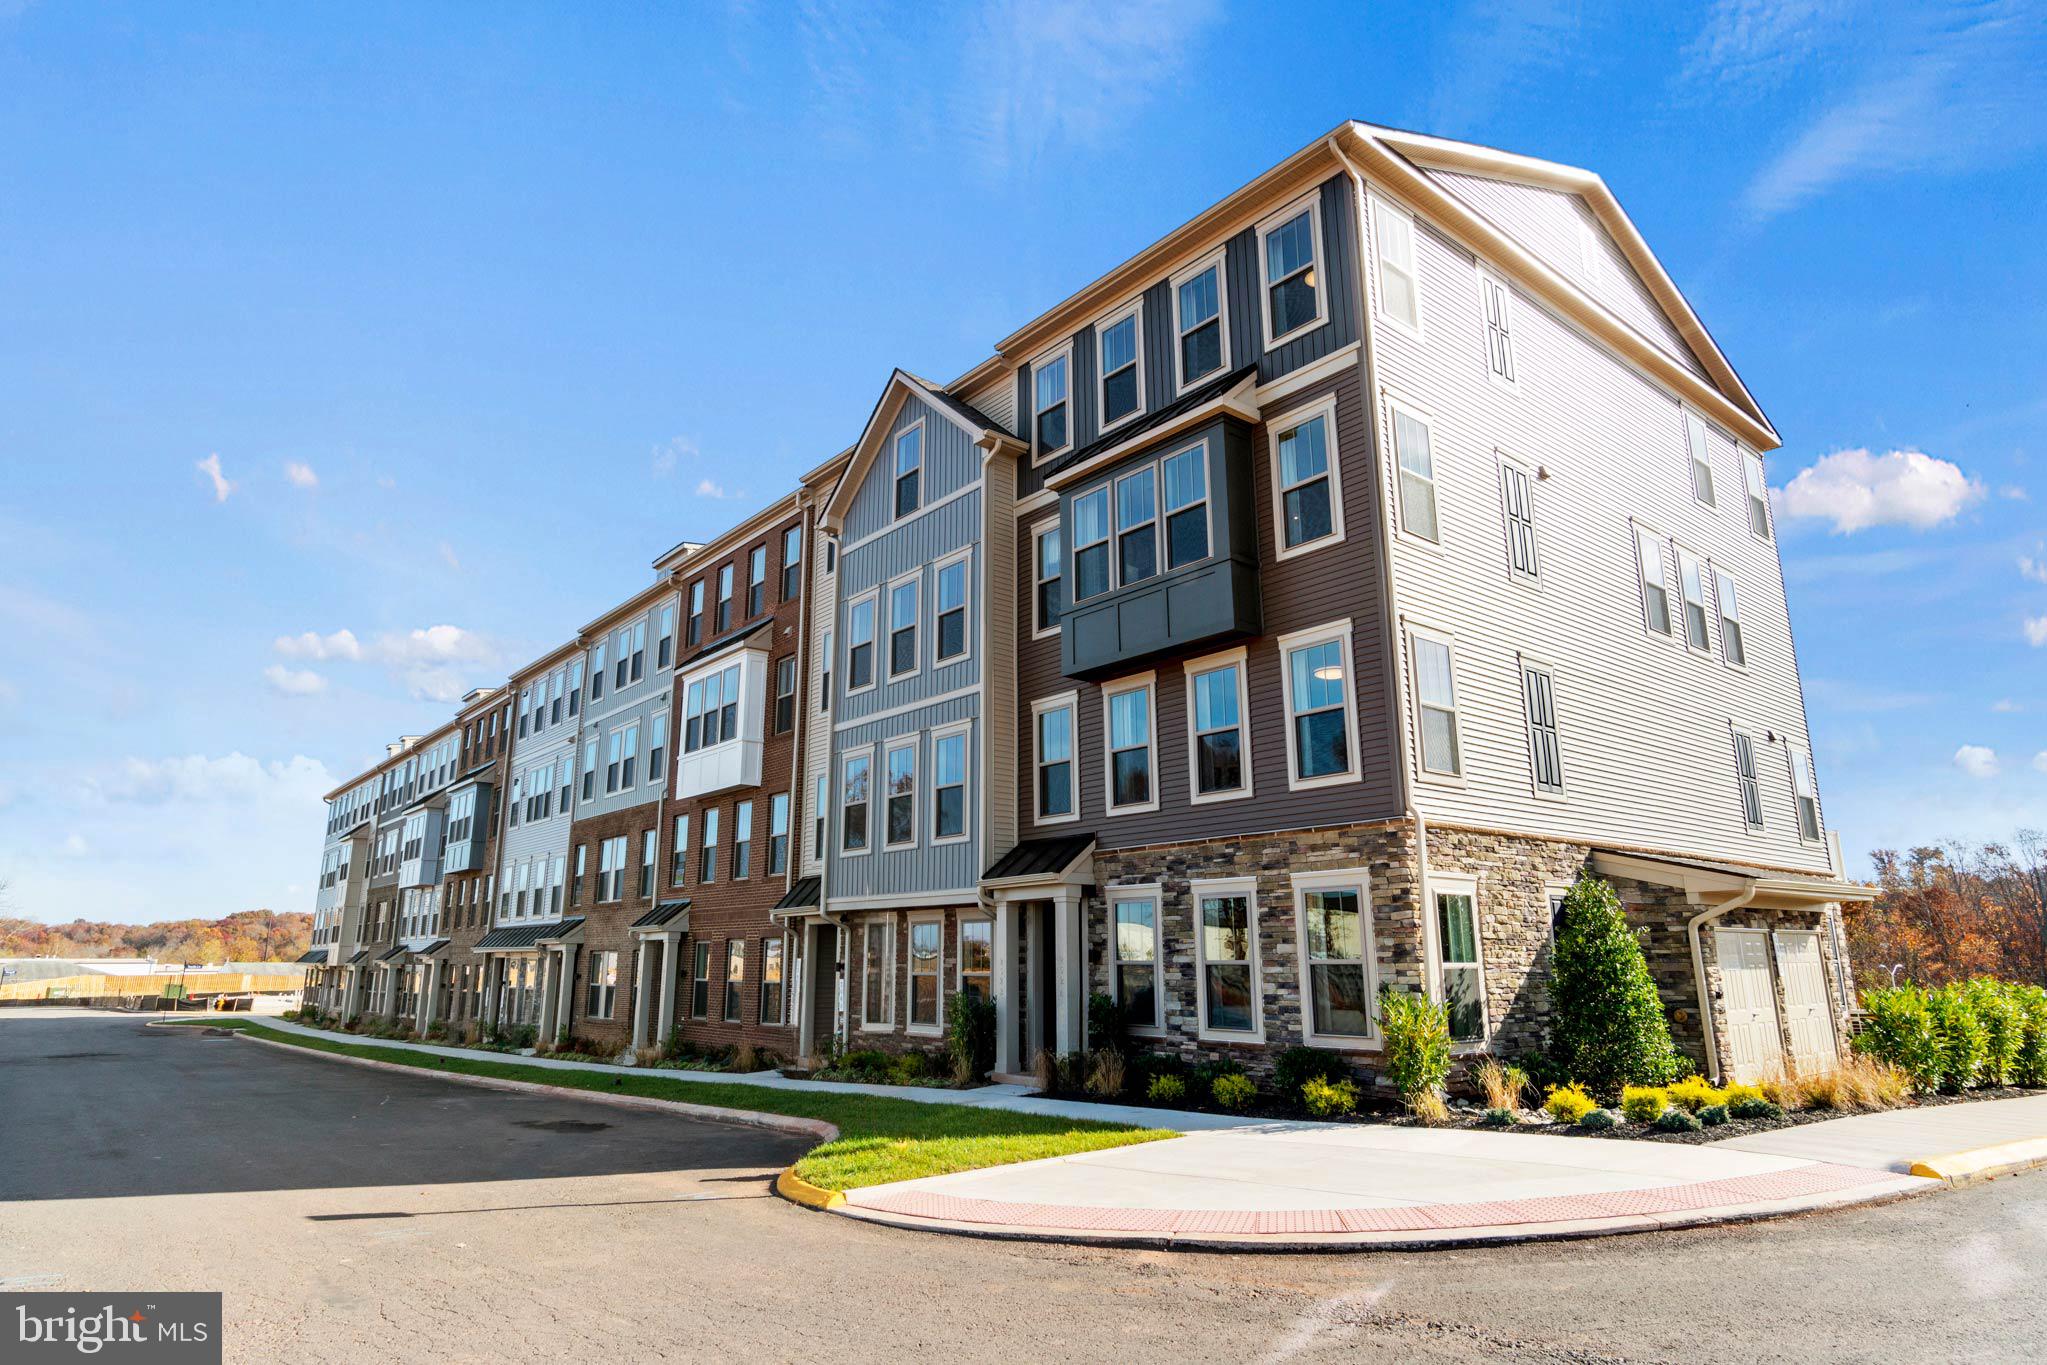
{"x": 606, "y": 922}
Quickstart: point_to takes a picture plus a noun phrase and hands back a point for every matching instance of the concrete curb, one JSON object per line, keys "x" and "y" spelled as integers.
{"x": 797, "y": 1190}
{"x": 1983, "y": 1163}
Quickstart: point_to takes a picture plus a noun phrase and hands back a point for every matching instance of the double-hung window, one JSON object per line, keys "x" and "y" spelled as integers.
{"x": 899, "y": 818}
{"x": 855, "y": 775}
{"x": 603, "y": 993}
{"x": 650, "y": 850}
{"x": 742, "y": 841}
{"x": 1290, "y": 247}
{"x": 735, "y": 977}
{"x": 1134, "y": 942}
{"x": 1745, "y": 779}
{"x": 778, "y": 833}
{"x": 1336, "y": 949}
{"x": 820, "y": 795}
{"x": 657, "y": 747}
{"x": 1131, "y": 769}
{"x": 700, "y": 981}
{"x": 722, "y": 621}
{"x": 902, "y": 626}
{"x": 707, "y": 860}
{"x": 951, "y": 641}
{"x": 1310, "y": 510}
{"x": 1118, "y": 355}
{"x": 1400, "y": 298}
{"x": 1461, "y": 976}
{"x": 757, "y": 581}
{"x": 636, "y": 636}
{"x": 909, "y": 469}
{"x": 1216, "y": 708}
{"x": 664, "y": 648}
{"x": 977, "y": 958}
{"x": 575, "y": 687}
{"x": 1416, "y": 455}
{"x": 1805, "y": 794}
{"x": 1655, "y": 582}
{"x": 632, "y": 753}
{"x": 1497, "y": 303}
{"x": 860, "y": 644}
{"x": 1691, "y": 579}
{"x": 876, "y": 969}
{"x": 1435, "y": 690}
{"x": 1702, "y": 460}
{"x": 1137, "y": 527}
{"x": 1051, "y": 407}
{"x": 1758, "y": 495}
{"x": 1200, "y": 327}
{"x": 611, "y": 869}
{"x": 824, "y": 672}
{"x": 1091, "y": 544}
{"x": 1319, "y": 706}
{"x": 785, "y": 694}
{"x": 1545, "y": 755}
{"x": 693, "y": 627}
{"x": 678, "y": 857}
{"x": 1185, "y": 476}
{"x": 927, "y": 940}
{"x": 1054, "y": 782}
{"x": 792, "y": 562}
{"x": 564, "y": 777}
{"x": 614, "y": 753}
{"x": 589, "y": 769}
{"x": 1517, "y": 508}
{"x": 771, "y": 981}
{"x": 1730, "y": 618}
{"x": 1048, "y": 573}
{"x": 1226, "y": 937}
{"x": 949, "y": 786}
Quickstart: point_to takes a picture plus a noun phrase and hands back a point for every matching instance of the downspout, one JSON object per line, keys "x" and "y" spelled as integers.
{"x": 1389, "y": 619}
{"x": 1692, "y": 928}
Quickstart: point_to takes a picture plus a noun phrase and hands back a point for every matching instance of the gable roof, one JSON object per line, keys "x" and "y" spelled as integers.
{"x": 981, "y": 429}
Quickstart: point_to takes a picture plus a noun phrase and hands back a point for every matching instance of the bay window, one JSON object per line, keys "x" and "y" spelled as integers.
{"x": 1185, "y": 476}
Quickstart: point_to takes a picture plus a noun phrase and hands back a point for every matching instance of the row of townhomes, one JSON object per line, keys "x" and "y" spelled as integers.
{"x": 1293, "y": 612}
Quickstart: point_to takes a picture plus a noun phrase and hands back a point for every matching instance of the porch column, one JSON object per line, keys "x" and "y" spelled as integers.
{"x": 550, "y": 966}
{"x": 1005, "y": 988}
{"x": 671, "y": 965}
{"x": 641, "y": 985}
{"x": 565, "y": 1000}
{"x": 806, "y": 1003}
{"x": 429, "y": 994}
{"x": 1035, "y": 949}
{"x": 1069, "y": 946}
{"x": 493, "y": 977}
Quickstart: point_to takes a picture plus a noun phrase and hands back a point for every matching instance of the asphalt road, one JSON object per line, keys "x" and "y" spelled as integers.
{"x": 355, "y": 1215}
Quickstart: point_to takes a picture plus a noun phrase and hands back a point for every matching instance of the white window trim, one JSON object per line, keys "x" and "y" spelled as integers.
{"x": 1339, "y": 631}
{"x": 1070, "y": 703}
{"x": 1157, "y": 523}
{"x": 1039, "y": 630}
{"x": 1711, "y": 503}
{"x": 1063, "y": 350}
{"x": 891, "y": 925}
{"x": 1396, "y": 405}
{"x": 1523, "y": 663}
{"x": 839, "y": 805}
{"x": 1736, "y": 734}
{"x": 1531, "y": 473}
{"x": 1218, "y": 259}
{"x": 914, "y": 744}
{"x": 1417, "y": 630}
{"x": 1482, "y": 275}
{"x": 1800, "y": 759}
{"x": 1311, "y": 203}
{"x": 875, "y": 640}
{"x": 1110, "y": 691}
{"x": 1358, "y": 879}
{"x": 894, "y": 475}
{"x": 910, "y": 924}
{"x": 964, "y": 730}
{"x": 1749, "y": 459}
{"x": 1150, "y": 894}
{"x": 1238, "y": 658}
{"x": 915, "y": 580}
{"x": 1164, "y": 514}
{"x": 1417, "y": 329}
{"x": 1247, "y": 887}
{"x": 965, "y": 558}
{"x": 1718, "y": 615}
{"x": 1682, "y": 552}
{"x": 1132, "y": 308}
{"x": 962, "y": 919}
{"x": 1279, "y": 426}
{"x": 1458, "y": 884}
{"x": 1673, "y": 603}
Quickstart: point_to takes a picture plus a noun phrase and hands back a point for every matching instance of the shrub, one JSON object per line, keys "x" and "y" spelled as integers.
{"x": 1754, "y": 1108}
{"x": 1297, "y": 1065}
{"x": 1596, "y": 1120}
{"x": 1997, "y": 1009}
{"x": 1329, "y": 1099}
{"x": 1644, "y": 1103}
{"x": 1542, "y": 1071}
{"x": 1105, "y": 1074}
{"x": 1676, "y": 1120}
{"x": 1737, "y": 1091}
{"x": 908, "y": 1068}
{"x": 2029, "y": 1065}
{"x": 1233, "y": 1091}
{"x": 1857, "y": 1085}
{"x": 1609, "y": 1027}
{"x": 867, "y": 1063}
{"x": 1430, "y": 1107}
{"x": 1499, "y": 1117}
{"x": 1503, "y": 1085}
{"x": 1785, "y": 1093}
{"x": 1900, "y": 1031}
{"x": 746, "y": 1058}
{"x": 1108, "y": 1025}
{"x": 1694, "y": 1093}
{"x": 970, "y": 1036}
{"x": 1417, "y": 1042}
{"x": 1959, "y": 1038}
{"x": 1713, "y": 1115}
{"x": 1569, "y": 1103}
{"x": 1166, "y": 1089}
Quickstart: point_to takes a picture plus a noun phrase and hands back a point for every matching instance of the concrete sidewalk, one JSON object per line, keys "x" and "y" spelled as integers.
{"x": 1900, "y": 1138}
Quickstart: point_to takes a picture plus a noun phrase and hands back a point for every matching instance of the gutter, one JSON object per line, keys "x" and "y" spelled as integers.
{"x": 1692, "y": 927}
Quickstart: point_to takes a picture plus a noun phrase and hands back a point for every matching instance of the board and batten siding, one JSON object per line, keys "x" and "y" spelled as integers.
{"x": 1337, "y": 583}
{"x": 1646, "y": 725}
{"x": 923, "y": 866}
{"x": 539, "y": 841}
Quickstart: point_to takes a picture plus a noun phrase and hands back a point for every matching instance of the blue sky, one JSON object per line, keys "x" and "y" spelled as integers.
{"x": 434, "y": 324}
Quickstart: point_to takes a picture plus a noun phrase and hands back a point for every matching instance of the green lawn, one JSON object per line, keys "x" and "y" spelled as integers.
{"x": 879, "y": 1140}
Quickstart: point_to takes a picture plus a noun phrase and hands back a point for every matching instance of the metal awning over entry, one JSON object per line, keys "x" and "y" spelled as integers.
{"x": 1711, "y": 882}
{"x": 515, "y": 938}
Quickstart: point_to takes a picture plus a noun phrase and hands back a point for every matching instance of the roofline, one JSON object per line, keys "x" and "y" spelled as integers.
{"x": 671, "y": 562}
{"x": 989, "y": 438}
{"x": 644, "y": 597}
{"x": 393, "y": 760}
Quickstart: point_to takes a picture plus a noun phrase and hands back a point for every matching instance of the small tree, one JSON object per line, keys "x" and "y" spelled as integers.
{"x": 1608, "y": 1030}
{"x": 970, "y": 1036}
{"x": 1417, "y": 1033}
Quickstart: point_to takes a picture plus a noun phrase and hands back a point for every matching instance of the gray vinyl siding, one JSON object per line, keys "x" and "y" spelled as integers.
{"x": 642, "y": 708}
{"x": 540, "y": 840}
{"x": 912, "y": 550}
{"x": 1545, "y": 220}
{"x": 950, "y": 463}
{"x": 924, "y": 867}
{"x": 1646, "y": 726}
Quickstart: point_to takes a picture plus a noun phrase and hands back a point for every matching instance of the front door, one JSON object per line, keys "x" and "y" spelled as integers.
{"x": 1807, "y": 1020}
{"x": 1746, "y": 994}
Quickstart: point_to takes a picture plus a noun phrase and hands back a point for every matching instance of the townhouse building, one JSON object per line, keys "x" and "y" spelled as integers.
{"x": 468, "y": 860}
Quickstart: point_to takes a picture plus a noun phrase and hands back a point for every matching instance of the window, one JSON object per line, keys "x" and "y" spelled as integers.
{"x": 1417, "y": 475}
{"x": 1186, "y": 486}
{"x": 1199, "y": 324}
{"x": 1517, "y": 506}
{"x": 1655, "y": 585}
{"x": 596, "y": 673}
{"x": 1336, "y": 945}
{"x": 1745, "y": 775}
{"x": 1461, "y": 978}
{"x": 1226, "y": 940}
{"x": 634, "y": 639}
{"x": 785, "y": 694}
{"x": 582, "y": 866}
{"x": 824, "y": 681}
{"x": 742, "y": 841}
{"x": 1435, "y": 689}
{"x": 909, "y": 469}
{"x": 778, "y": 833}
{"x": 1050, "y": 567}
{"x": 757, "y": 581}
{"x": 700, "y": 982}
{"x": 1319, "y": 706}
{"x": 1545, "y": 756}
{"x": 899, "y": 826}
{"x": 771, "y": 981}
{"x": 710, "y": 710}
{"x": 1400, "y": 299}
{"x": 860, "y": 644}
{"x": 1090, "y": 544}
{"x": 792, "y": 563}
{"x": 1135, "y": 949}
{"x": 853, "y": 798}
{"x": 1497, "y": 303}
{"x": 1702, "y": 463}
{"x": 1216, "y": 706}
{"x": 1310, "y": 509}
{"x": 611, "y": 869}
{"x": 657, "y": 748}
{"x": 902, "y": 627}
{"x": 1805, "y": 794}
{"x": 877, "y": 948}
{"x": 707, "y": 856}
{"x": 722, "y": 622}
{"x": 952, "y": 610}
{"x": 818, "y": 797}
{"x": 735, "y": 977}
{"x": 1290, "y": 246}
{"x": 927, "y": 941}
{"x": 1730, "y": 618}
{"x": 977, "y": 958}
{"x": 693, "y": 627}
{"x": 650, "y": 849}
{"x": 564, "y": 776}
{"x": 614, "y": 759}
{"x": 664, "y": 649}
{"x": 1049, "y": 406}
{"x": 1118, "y": 356}
{"x": 1137, "y": 528}
{"x": 554, "y": 696}
{"x": 1053, "y": 781}
{"x": 949, "y": 786}
{"x": 678, "y": 857}
{"x": 1130, "y": 766}
{"x": 1758, "y": 495}
{"x": 1692, "y": 579}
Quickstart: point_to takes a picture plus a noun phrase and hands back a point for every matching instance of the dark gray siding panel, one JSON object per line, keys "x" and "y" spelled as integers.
{"x": 1159, "y": 342}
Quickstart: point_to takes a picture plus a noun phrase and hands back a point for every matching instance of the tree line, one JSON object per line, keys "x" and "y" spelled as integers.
{"x": 247, "y": 936}
{"x": 1949, "y": 912}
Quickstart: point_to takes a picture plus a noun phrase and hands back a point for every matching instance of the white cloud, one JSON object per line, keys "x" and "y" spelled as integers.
{"x": 1856, "y": 490}
{"x": 2011, "y": 492}
{"x": 210, "y": 467}
{"x": 448, "y": 557}
{"x": 2036, "y": 631}
{"x": 1755, "y": 44}
{"x": 294, "y": 682}
{"x": 1977, "y": 761}
{"x": 2034, "y": 567}
{"x": 75, "y": 846}
{"x": 342, "y": 644}
{"x": 2005, "y": 706}
{"x": 2040, "y": 761}
{"x": 301, "y": 474}
{"x": 678, "y": 449}
{"x": 707, "y": 489}
{"x": 234, "y": 778}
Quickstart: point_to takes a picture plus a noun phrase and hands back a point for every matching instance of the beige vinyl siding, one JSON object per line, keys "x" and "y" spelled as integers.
{"x": 997, "y": 399}
{"x": 817, "y": 725}
{"x": 995, "y": 774}
{"x": 1646, "y": 727}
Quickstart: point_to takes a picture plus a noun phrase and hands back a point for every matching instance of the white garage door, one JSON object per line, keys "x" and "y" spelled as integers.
{"x": 1751, "y": 1005}
{"x": 1807, "y": 1019}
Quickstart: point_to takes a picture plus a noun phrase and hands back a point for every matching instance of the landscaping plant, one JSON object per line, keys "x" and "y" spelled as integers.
{"x": 970, "y": 1036}
{"x": 1233, "y": 1091}
{"x": 1105, "y": 1074}
{"x": 2029, "y": 1066}
{"x": 1713, "y": 1115}
{"x": 1959, "y": 1038}
{"x": 1676, "y": 1120}
{"x": 1608, "y": 1028}
{"x": 1900, "y": 1031}
{"x": 1644, "y": 1103}
{"x": 1503, "y": 1084}
{"x": 1417, "y": 1048}
{"x": 1569, "y": 1103}
{"x": 1166, "y": 1088}
{"x": 1431, "y": 1108}
{"x": 1596, "y": 1120}
{"x": 1694, "y": 1093}
{"x": 1755, "y": 1107}
{"x": 1329, "y": 1099}
{"x": 1499, "y": 1117}
{"x": 1997, "y": 1009}
{"x": 1295, "y": 1066}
